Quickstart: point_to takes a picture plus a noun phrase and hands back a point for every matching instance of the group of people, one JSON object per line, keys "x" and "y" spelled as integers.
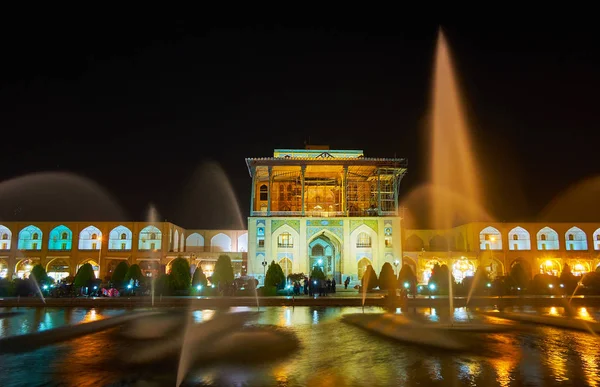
{"x": 312, "y": 286}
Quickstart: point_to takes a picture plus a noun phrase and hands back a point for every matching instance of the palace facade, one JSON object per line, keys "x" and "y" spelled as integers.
{"x": 63, "y": 247}
{"x": 335, "y": 209}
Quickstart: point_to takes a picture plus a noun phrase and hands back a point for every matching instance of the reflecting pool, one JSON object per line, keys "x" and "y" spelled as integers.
{"x": 331, "y": 354}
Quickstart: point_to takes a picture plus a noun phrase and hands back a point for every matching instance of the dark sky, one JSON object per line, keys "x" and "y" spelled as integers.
{"x": 150, "y": 109}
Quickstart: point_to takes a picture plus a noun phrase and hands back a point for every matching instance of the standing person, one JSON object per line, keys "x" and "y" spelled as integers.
{"x": 333, "y": 283}
{"x": 346, "y": 282}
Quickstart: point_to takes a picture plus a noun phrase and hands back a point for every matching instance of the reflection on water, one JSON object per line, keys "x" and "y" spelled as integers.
{"x": 332, "y": 354}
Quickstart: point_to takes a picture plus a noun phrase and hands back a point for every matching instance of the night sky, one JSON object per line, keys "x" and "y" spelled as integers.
{"x": 151, "y": 110}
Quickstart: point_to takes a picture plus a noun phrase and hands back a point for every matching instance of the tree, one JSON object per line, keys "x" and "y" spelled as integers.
{"x": 369, "y": 278}
{"x": 84, "y": 276}
{"x": 317, "y": 273}
{"x": 519, "y": 275}
{"x": 275, "y": 276}
{"x": 118, "y": 276}
{"x": 407, "y": 275}
{"x": 134, "y": 273}
{"x": 199, "y": 278}
{"x": 387, "y": 277}
{"x": 180, "y": 277}
{"x": 39, "y": 275}
{"x": 223, "y": 270}
{"x": 440, "y": 278}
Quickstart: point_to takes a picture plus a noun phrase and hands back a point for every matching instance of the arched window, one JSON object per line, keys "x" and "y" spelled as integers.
{"x": 543, "y": 237}
{"x": 317, "y": 251}
{"x": 64, "y": 235}
{"x": 5, "y": 236}
{"x": 94, "y": 236}
{"x": 35, "y": 236}
{"x": 285, "y": 240}
{"x": 363, "y": 240}
{"x": 515, "y": 237}
{"x": 263, "y": 193}
{"x": 571, "y": 237}
{"x": 153, "y": 235}
{"x": 123, "y": 236}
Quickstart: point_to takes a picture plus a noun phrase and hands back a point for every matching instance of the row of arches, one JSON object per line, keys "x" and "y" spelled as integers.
{"x": 490, "y": 238}
{"x": 120, "y": 238}
{"x": 60, "y": 238}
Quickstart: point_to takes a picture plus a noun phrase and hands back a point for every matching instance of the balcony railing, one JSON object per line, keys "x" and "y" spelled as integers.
{"x": 116, "y": 250}
{"x": 62, "y": 250}
{"x": 285, "y": 245}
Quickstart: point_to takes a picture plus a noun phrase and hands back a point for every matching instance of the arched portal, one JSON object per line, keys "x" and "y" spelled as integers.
{"x": 325, "y": 251}
{"x": 3, "y": 268}
{"x": 362, "y": 267}
{"x": 58, "y": 269}
{"x": 24, "y": 266}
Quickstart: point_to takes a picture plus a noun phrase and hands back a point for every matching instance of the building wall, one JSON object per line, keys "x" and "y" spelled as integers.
{"x": 539, "y": 255}
{"x": 342, "y": 233}
{"x": 170, "y": 243}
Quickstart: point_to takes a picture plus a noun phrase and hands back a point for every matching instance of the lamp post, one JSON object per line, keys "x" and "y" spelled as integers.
{"x": 396, "y": 263}
{"x": 264, "y": 265}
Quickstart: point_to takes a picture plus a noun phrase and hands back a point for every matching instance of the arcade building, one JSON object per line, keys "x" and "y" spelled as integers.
{"x": 335, "y": 209}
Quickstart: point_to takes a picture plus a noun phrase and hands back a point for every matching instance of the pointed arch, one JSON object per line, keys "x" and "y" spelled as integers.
{"x": 194, "y": 242}
{"x": 5, "y": 237}
{"x": 490, "y": 239}
{"x": 58, "y": 268}
{"x": 242, "y": 243}
{"x": 362, "y": 264}
{"x": 596, "y": 238}
{"x": 30, "y": 238}
{"x": 414, "y": 243}
{"x": 576, "y": 239}
{"x": 547, "y": 239}
{"x": 519, "y": 239}
{"x": 220, "y": 243}
{"x": 60, "y": 238}
{"x": 150, "y": 238}
{"x": 176, "y": 240}
{"x": 90, "y": 238}
{"x": 438, "y": 243}
{"x": 120, "y": 238}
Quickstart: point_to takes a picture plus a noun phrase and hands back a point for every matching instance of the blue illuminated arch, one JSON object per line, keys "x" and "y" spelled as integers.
{"x": 60, "y": 238}
{"x": 30, "y": 238}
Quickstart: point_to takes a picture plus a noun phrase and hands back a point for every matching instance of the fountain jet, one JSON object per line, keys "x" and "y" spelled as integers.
{"x": 452, "y": 160}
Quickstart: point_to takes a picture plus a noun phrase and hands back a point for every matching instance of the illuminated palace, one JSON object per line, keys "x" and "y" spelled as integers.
{"x": 335, "y": 209}
{"x": 61, "y": 248}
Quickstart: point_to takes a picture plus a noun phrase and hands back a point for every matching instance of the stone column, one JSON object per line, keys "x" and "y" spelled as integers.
{"x": 270, "y": 169}
{"x": 302, "y": 171}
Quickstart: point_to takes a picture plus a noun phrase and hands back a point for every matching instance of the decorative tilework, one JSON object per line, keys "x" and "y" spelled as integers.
{"x": 337, "y": 231}
{"x": 355, "y": 223}
{"x": 293, "y": 223}
{"x": 324, "y": 223}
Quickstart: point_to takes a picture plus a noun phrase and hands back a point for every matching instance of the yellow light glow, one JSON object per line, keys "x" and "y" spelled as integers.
{"x": 553, "y": 311}
{"x": 548, "y": 263}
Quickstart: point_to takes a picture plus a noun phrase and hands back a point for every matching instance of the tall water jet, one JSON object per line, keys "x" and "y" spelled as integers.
{"x": 209, "y": 198}
{"x": 452, "y": 159}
